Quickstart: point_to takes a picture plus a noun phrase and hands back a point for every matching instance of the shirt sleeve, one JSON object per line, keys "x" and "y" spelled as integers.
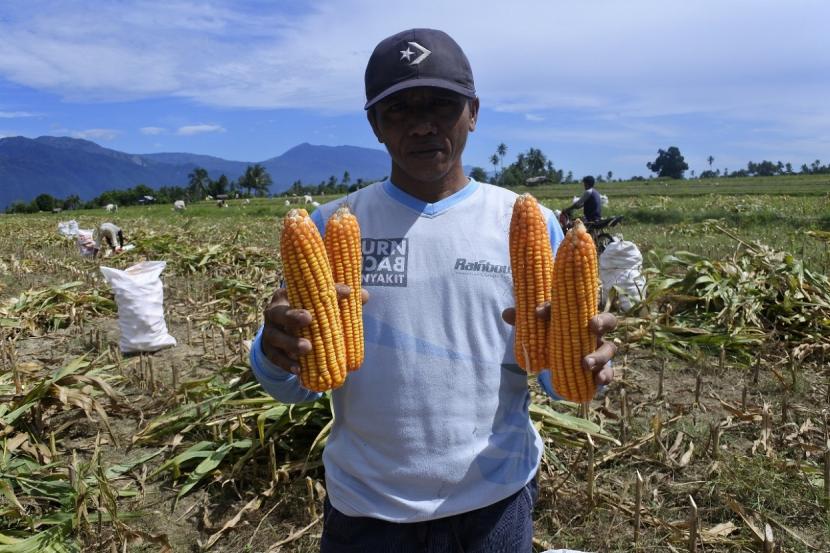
{"x": 279, "y": 383}
{"x": 582, "y": 199}
{"x": 555, "y": 232}
{"x": 317, "y": 219}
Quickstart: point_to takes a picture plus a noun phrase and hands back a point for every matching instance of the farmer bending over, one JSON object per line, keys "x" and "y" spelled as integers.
{"x": 111, "y": 234}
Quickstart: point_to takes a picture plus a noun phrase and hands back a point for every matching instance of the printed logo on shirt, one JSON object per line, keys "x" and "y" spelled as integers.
{"x": 480, "y": 267}
{"x": 384, "y": 261}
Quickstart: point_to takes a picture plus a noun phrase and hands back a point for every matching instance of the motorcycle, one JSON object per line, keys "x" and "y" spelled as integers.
{"x": 597, "y": 229}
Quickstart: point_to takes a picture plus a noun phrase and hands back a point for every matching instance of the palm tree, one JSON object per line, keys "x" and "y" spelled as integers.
{"x": 536, "y": 161}
{"x": 73, "y": 201}
{"x": 198, "y": 183}
{"x": 256, "y": 177}
{"x": 494, "y": 159}
{"x": 711, "y": 160}
{"x": 219, "y": 187}
{"x": 502, "y": 151}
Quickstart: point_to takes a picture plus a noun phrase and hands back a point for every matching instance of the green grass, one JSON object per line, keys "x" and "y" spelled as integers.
{"x": 665, "y": 216}
{"x": 660, "y": 216}
{"x": 796, "y": 185}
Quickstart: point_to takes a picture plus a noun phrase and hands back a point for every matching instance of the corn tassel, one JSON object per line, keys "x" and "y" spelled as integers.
{"x": 531, "y": 261}
{"x": 574, "y": 302}
{"x": 310, "y": 286}
{"x": 346, "y": 259}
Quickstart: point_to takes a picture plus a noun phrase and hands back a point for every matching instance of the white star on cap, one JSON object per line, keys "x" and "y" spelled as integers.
{"x": 407, "y": 54}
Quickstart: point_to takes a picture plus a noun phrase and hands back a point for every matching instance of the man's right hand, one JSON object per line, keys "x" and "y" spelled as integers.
{"x": 281, "y": 343}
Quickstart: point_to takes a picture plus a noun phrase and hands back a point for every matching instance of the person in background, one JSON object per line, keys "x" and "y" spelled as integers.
{"x": 590, "y": 201}
{"x": 432, "y": 447}
{"x": 112, "y": 235}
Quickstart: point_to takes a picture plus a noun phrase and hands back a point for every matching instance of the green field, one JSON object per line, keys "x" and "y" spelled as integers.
{"x": 722, "y": 371}
{"x": 660, "y": 216}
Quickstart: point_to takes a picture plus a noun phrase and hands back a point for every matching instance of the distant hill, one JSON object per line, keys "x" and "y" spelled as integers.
{"x": 61, "y": 166}
{"x": 215, "y": 166}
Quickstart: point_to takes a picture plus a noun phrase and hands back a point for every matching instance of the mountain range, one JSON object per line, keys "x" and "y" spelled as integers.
{"x": 61, "y": 166}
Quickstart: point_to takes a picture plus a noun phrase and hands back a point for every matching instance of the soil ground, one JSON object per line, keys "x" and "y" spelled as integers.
{"x": 751, "y": 474}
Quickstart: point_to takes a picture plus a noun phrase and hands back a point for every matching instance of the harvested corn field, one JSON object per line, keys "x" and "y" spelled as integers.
{"x": 713, "y": 434}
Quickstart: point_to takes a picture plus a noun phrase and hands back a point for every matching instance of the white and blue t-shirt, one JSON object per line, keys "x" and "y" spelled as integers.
{"x": 435, "y": 422}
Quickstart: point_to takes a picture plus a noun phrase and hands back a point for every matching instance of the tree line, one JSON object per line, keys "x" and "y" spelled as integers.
{"x": 534, "y": 168}
{"x": 255, "y": 182}
{"x": 671, "y": 163}
{"x": 531, "y": 168}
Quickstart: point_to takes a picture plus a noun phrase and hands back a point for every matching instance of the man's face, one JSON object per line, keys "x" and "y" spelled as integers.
{"x": 425, "y": 130}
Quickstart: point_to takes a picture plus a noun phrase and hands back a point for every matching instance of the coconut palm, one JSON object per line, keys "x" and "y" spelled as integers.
{"x": 256, "y": 178}
{"x": 494, "y": 159}
{"x": 198, "y": 183}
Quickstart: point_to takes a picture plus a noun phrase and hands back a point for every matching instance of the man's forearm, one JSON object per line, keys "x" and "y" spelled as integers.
{"x": 279, "y": 383}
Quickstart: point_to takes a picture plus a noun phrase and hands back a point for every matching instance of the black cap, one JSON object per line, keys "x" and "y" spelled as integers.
{"x": 417, "y": 57}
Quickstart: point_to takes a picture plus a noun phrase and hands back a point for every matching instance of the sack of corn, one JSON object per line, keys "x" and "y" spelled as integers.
{"x": 68, "y": 229}
{"x": 139, "y": 294}
{"x": 86, "y": 242}
{"x": 621, "y": 269}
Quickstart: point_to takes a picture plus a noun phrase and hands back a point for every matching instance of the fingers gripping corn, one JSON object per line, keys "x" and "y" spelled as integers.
{"x": 310, "y": 286}
{"x": 574, "y": 302}
{"x": 344, "y": 253}
{"x": 531, "y": 261}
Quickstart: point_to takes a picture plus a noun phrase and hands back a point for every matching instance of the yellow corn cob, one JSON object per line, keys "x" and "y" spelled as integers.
{"x": 574, "y": 302}
{"x": 310, "y": 286}
{"x": 346, "y": 259}
{"x": 531, "y": 261}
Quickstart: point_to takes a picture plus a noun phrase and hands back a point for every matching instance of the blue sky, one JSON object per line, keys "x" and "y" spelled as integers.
{"x": 597, "y": 85}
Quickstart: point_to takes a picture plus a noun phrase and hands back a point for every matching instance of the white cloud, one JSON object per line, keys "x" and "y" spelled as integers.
{"x": 641, "y": 55}
{"x": 189, "y": 130}
{"x": 152, "y": 130}
{"x": 643, "y": 70}
{"x": 555, "y": 134}
{"x": 17, "y": 114}
{"x": 97, "y": 134}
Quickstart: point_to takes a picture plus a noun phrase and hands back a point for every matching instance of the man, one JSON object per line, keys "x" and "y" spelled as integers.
{"x": 432, "y": 448}
{"x": 590, "y": 201}
{"x": 112, "y": 235}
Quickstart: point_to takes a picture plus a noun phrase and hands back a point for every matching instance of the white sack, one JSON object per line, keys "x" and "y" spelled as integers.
{"x": 603, "y": 199}
{"x": 68, "y": 229}
{"x": 620, "y": 267}
{"x": 140, "y": 297}
{"x": 86, "y": 242}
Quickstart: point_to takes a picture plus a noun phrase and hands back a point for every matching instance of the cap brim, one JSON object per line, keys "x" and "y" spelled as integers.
{"x": 413, "y": 83}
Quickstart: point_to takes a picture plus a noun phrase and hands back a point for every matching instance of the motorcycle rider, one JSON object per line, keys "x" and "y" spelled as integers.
{"x": 590, "y": 202}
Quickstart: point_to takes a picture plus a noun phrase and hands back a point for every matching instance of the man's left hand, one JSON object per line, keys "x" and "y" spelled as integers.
{"x": 597, "y": 361}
